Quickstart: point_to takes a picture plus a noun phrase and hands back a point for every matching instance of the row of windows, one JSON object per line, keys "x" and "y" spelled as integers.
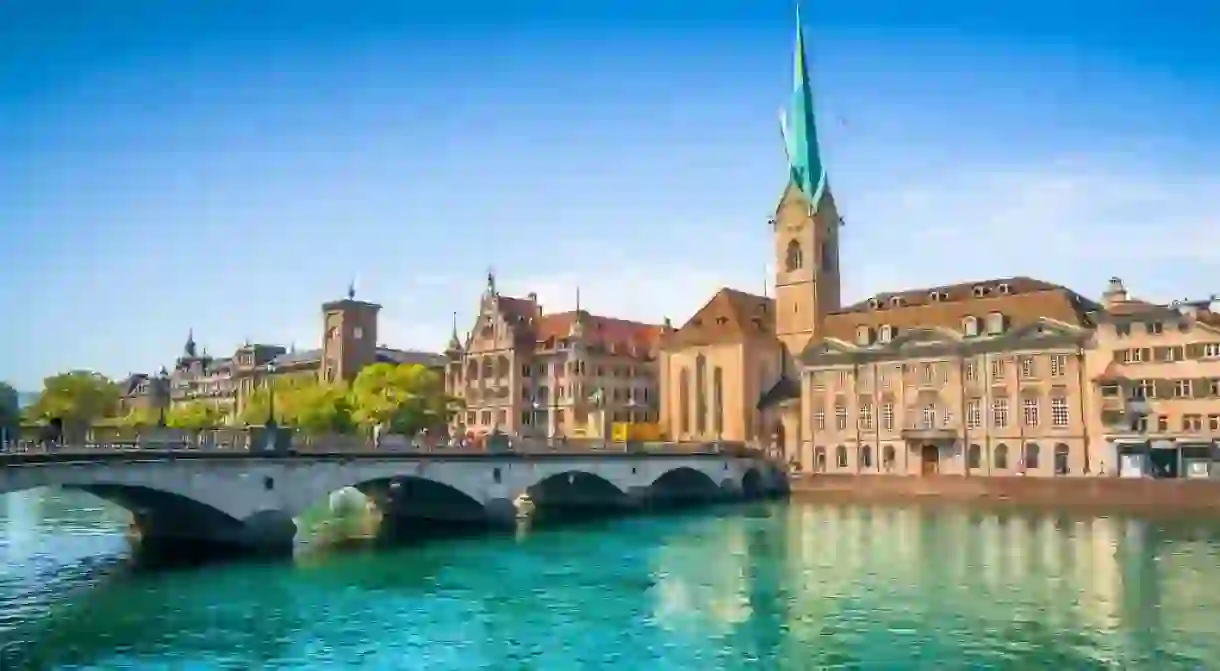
{"x": 1163, "y": 388}
{"x": 928, "y": 414}
{"x": 1190, "y": 423}
{"x": 930, "y": 373}
{"x": 993, "y": 324}
{"x": 498, "y": 367}
{"x": 1170, "y": 354}
{"x": 1030, "y": 459}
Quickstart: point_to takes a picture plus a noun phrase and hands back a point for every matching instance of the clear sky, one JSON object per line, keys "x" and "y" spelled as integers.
{"x": 229, "y": 166}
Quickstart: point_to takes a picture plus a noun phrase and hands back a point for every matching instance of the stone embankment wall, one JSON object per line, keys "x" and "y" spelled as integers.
{"x": 1201, "y": 496}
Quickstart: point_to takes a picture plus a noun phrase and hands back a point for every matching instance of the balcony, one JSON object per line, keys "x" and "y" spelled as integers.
{"x": 928, "y": 432}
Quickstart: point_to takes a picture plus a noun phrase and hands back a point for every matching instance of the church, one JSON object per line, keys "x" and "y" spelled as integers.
{"x": 977, "y": 377}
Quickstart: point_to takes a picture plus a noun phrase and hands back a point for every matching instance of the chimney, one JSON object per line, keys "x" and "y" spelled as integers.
{"x": 533, "y": 297}
{"x": 1115, "y": 293}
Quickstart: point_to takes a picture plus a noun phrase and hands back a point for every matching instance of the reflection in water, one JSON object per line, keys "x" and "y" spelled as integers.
{"x": 769, "y": 586}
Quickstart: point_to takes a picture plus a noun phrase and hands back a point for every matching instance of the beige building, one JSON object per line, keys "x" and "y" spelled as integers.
{"x": 1154, "y": 373}
{"x": 978, "y": 378}
{"x": 568, "y": 374}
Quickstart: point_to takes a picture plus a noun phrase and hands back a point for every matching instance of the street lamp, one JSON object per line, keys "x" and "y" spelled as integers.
{"x": 271, "y": 394}
{"x": 163, "y": 392}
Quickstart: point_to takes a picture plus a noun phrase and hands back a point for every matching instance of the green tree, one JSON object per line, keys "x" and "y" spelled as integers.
{"x": 10, "y": 412}
{"x": 140, "y": 416}
{"x": 407, "y": 397}
{"x": 193, "y": 416}
{"x": 78, "y": 397}
{"x": 318, "y": 408}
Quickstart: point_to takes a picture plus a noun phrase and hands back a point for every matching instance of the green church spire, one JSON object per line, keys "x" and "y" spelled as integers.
{"x": 800, "y": 130}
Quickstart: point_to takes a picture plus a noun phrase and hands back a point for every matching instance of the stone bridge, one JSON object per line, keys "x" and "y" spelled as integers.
{"x": 250, "y": 502}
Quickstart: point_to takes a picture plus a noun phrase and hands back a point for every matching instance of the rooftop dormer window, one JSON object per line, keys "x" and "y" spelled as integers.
{"x": 722, "y": 320}
{"x": 896, "y": 301}
{"x": 885, "y": 333}
{"x": 995, "y": 323}
{"x": 874, "y": 304}
{"x": 937, "y": 296}
{"x": 1004, "y": 289}
{"x": 864, "y": 335}
{"x": 970, "y": 326}
{"x": 979, "y": 291}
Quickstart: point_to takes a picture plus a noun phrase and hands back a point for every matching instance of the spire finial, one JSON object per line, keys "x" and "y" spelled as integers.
{"x": 189, "y": 348}
{"x": 351, "y": 289}
{"x": 578, "y": 299}
{"x": 491, "y": 281}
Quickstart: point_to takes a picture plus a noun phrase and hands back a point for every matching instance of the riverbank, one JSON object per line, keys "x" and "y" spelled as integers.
{"x": 1097, "y": 493}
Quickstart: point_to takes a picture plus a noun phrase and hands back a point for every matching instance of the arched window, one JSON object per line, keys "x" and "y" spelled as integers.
{"x": 502, "y": 366}
{"x": 701, "y": 395}
{"x": 472, "y": 370}
{"x": 1031, "y": 456}
{"x": 819, "y": 459}
{"x": 866, "y": 457}
{"x": 841, "y": 456}
{"x": 1001, "y": 456}
{"x": 793, "y": 258}
{"x": 684, "y": 401}
{"x": 1061, "y": 459}
{"x": 887, "y": 457}
{"x": 974, "y": 456}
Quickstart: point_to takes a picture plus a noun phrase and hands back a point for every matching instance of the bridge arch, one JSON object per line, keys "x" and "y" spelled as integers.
{"x": 576, "y": 489}
{"x": 398, "y": 498}
{"x": 684, "y": 485}
{"x": 161, "y": 515}
{"x": 752, "y": 484}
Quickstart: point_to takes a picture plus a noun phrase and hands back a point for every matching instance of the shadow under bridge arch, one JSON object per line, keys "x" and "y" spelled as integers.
{"x": 413, "y": 497}
{"x": 684, "y": 486}
{"x": 577, "y": 491}
{"x": 169, "y": 524}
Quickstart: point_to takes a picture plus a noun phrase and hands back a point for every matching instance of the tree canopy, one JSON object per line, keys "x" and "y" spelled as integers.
{"x": 407, "y": 397}
{"x": 193, "y": 416}
{"x": 78, "y": 397}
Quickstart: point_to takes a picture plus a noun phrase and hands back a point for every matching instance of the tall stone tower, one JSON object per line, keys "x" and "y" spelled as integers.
{"x": 806, "y": 225}
{"x": 349, "y": 337}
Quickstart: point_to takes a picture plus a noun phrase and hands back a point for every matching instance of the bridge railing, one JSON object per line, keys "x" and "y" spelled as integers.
{"x": 253, "y": 442}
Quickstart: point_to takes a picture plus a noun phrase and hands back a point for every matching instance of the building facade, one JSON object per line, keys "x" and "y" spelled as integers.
{"x": 1154, "y": 373}
{"x": 568, "y": 374}
{"x": 981, "y": 378}
{"x": 348, "y": 344}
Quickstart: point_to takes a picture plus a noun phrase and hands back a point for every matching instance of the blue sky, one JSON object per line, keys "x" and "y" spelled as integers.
{"x": 229, "y": 166}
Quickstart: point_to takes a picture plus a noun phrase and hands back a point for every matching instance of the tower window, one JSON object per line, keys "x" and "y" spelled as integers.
{"x": 357, "y": 333}
{"x": 793, "y": 258}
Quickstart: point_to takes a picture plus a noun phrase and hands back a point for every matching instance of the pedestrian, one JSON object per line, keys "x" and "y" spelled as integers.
{"x": 377, "y": 429}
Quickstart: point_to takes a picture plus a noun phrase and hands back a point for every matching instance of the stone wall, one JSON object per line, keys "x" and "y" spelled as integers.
{"x": 1100, "y": 492}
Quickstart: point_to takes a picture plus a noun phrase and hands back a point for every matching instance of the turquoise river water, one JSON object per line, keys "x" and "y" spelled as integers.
{"x": 772, "y": 586}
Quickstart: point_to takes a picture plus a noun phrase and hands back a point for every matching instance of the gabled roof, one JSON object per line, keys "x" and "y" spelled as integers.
{"x": 621, "y": 336}
{"x": 730, "y": 316}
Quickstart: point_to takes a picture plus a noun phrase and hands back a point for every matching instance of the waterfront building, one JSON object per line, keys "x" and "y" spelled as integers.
{"x": 1154, "y": 371}
{"x": 348, "y": 344}
{"x": 525, "y": 372}
{"x": 977, "y": 378}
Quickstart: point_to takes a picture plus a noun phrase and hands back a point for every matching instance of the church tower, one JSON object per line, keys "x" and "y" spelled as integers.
{"x": 805, "y": 226}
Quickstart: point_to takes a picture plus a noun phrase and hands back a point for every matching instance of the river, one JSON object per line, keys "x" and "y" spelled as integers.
{"x": 772, "y": 586}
